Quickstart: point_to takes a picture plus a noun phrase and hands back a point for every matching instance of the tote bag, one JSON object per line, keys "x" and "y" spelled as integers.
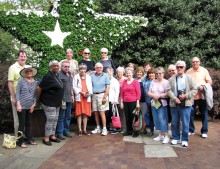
{"x": 116, "y": 122}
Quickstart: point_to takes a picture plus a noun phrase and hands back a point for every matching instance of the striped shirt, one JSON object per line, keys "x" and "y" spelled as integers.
{"x": 26, "y": 93}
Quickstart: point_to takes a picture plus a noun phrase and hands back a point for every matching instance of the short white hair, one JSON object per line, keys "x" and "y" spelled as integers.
{"x": 181, "y": 62}
{"x": 53, "y": 62}
{"x": 172, "y": 66}
{"x": 104, "y": 50}
{"x": 98, "y": 64}
{"x": 120, "y": 69}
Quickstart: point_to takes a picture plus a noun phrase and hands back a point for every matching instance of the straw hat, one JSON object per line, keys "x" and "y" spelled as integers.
{"x": 34, "y": 70}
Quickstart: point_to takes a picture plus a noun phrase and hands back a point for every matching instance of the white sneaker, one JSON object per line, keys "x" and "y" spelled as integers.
{"x": 184, "y": 144}
{"x": 159, "y": 138}
{"x": 96, "y": 130}
{"x": 204, "y": 135}
{"x": 104, "y": 132}
{"x": 166, "y": 140}
{"x": 175, "y": 142}
{"x": 191, "y": 133}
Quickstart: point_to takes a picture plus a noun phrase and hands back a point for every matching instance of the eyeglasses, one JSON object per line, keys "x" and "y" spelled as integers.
{"x": 158, "y": 73}
{"x": 66, "y": 66}
{"x": 171, "y": 70}
{"x": 86, "y": 53}
{"x": 180, "y": 67}
{"x": 103, "y": 52}
{"x": 195, "y": 61}
{"x": 27, "y": 71}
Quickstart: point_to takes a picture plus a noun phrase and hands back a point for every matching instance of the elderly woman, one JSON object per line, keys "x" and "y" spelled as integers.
{"x": 82, "y": 86}
{"x": 172, "y": 70}
{"x": 105, "y": 61}
{"x": 26, "y": 101}
{"x": 148, "y": 115}
{"x": 130, "y": 96}
{"x": 120, "y": 71}
{"x": 86, "y": 60}
{"x": 50, "y": 91}
{"x": 143, "y": 104}
{"x": 113, "y": 95}
{"x": 158, "y": 93}
{"x": 73, "y": 63}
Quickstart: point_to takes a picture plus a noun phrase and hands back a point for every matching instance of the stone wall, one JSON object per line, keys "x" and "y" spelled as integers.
{"x": 6, "y": 118}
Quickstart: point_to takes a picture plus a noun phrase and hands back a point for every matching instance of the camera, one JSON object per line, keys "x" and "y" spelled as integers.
{"x": 178, "y": 94}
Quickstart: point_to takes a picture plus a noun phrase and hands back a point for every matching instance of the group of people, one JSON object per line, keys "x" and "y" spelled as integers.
{"x": 101, "y": 88}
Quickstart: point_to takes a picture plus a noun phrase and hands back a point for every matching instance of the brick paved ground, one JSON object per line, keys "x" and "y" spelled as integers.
{"x": 111, "y": 152}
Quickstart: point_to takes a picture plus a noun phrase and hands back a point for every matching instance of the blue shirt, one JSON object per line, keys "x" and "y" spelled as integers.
{"x": 99, "y": 83}
{"x": 146, "y": 86}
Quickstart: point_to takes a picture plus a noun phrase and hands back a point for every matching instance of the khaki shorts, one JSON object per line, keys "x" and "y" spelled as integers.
{"x": 97, "y": 102}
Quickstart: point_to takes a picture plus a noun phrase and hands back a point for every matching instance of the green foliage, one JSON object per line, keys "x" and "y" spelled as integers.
{"x": 87, "y": 30}
{"x": 7, "y": 44}
{"x": 177, "y": 29}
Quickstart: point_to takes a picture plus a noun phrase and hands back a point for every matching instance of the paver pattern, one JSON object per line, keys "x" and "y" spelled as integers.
{"x": 111, "y": 152}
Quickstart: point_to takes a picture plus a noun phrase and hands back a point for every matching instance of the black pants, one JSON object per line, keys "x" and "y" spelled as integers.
{"x": 151, "y": 118}
{"x": 108, "y": 115}
{"x": 128, "y": 109}
{"x": 24, "y": 118}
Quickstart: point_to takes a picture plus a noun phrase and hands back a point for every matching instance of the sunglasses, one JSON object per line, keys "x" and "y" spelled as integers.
{"x": 103, "y": 52}
{"x": 180, "y": 67}
{"x": 86, "y": 53}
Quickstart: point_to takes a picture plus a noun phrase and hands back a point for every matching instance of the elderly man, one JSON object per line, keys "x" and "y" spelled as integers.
{"x": 13, "y": 76}
{"x": 63, "y": 123}
{"x": 100, "y": 83}
{"x": 202, "y": 78}
{"x": 181, "y": 91}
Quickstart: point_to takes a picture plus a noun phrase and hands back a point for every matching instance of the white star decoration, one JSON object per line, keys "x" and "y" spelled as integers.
{"x": 57, "y": 36}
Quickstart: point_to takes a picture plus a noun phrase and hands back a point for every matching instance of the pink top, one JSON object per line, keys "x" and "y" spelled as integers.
{"x": 157, "y": 88}
{"x": 130, "y": 92}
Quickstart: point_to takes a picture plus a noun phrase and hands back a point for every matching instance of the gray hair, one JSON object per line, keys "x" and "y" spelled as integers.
{"x": 98, "y": 64}
{"x": 53, "y": 62}
{"x": 181, "y": 62}
{"x": 171, "y": 66}
{"x": 110, "y": 69}
{"x": 104, "y": 50}
{"x": 82, "y": 66}
{"x": 69, "y": 50}
{"x": 120, "y": 69}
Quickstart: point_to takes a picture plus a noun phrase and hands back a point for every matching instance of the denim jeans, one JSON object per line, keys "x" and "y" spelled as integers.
{"x": 183, "y": 113}
{"x": 204, "y": 112}
{"x": 148, "y": 117}
{"x": 160, "y": 117}
{"x": 63, "y": 123}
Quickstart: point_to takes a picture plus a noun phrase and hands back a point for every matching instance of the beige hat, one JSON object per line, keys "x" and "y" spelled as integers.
{"x": 23, "y": 71}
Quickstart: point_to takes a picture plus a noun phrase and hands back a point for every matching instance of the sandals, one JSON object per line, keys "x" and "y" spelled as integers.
{"x": 86, "y": 133}
{"x": 32, "y": 142}
{"x": 23, "y": 145}
{"x": 80, "y": 133}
